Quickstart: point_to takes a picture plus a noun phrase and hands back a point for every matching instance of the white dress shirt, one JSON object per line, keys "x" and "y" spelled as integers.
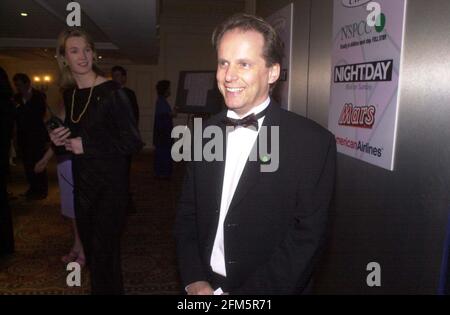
{"x": 240, "y": 142}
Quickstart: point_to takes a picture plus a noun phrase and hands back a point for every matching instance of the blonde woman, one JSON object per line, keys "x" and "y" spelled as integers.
{"x": 101, "y": 133}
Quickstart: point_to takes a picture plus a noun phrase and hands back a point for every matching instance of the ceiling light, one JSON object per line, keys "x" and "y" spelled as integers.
{"x": 23, "y": 14}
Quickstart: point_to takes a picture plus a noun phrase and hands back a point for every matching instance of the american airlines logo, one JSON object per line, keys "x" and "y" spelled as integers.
{"x": 364, "y": 72}
{"x": 357, "y": 116}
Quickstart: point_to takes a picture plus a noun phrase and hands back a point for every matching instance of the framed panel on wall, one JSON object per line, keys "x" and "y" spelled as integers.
{"x": 198, "y": 93}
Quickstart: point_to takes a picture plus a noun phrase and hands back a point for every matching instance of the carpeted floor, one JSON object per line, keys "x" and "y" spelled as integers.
{"x": 42, "y": 236}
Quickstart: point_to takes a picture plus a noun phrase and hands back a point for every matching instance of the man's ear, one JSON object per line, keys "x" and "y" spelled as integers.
{"x": 274, "y": 73}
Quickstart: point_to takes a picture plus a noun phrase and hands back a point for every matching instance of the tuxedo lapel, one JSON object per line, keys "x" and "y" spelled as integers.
{"x": 216, "y": 169}
{"x": 252, "y": 169}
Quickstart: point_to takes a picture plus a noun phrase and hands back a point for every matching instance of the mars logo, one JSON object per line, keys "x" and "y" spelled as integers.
{"x": 356, "y": 116}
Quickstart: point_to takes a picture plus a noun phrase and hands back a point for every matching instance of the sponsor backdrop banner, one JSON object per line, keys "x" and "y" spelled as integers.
{"x": 282, "y": 22}
{"x": 365, "y": 78}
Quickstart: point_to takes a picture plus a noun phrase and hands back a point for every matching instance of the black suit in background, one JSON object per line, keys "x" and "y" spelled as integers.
{"x": 135, "y": 110}
{"x": 133, "y": 102}
{"x": 7, "y": 109}
{"x": 276, "y": 222}
{"x": 32, "y": 139}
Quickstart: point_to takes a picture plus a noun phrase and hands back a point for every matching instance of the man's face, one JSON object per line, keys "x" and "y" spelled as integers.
{"x": 21, "y": 87}
{"x": 119, "y": 78}
{"x": 79, "y": 55}
{"x": 242, "y": 75}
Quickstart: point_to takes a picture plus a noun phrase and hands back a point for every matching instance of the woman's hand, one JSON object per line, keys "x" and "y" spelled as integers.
{"x": 59, "y": 135}
{"x": 74, "y": 145}
{"x": 41, "y": 166}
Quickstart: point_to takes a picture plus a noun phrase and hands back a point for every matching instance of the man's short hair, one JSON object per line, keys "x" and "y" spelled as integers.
{"x": 162, "y": 87}
{"x": 120, "y": 69}
{"x": 22, "y": 77}
{"x": 273, "y": 45}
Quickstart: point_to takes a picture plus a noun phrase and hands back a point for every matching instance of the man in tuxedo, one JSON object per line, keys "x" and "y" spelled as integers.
{"x": 7, "y": 112}
{"x": 241, "y": 230}
{"x": 32, "y": 135}
{"x": 119, "y": 74}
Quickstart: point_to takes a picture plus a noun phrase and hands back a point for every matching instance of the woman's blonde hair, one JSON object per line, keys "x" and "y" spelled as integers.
{"x": 66, "y": 79}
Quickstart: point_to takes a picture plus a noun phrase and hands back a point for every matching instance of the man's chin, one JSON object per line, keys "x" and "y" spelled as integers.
{"x": 234, "y": 109}
{"x": 233, "y": 106}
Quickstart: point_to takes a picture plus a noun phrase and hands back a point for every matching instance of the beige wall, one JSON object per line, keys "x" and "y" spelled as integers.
{"x": 185, "y": 37}
{"x": 183, "y": 52}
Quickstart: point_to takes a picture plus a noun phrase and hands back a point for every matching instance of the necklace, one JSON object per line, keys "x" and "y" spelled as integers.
{"x": 76, "y": 121}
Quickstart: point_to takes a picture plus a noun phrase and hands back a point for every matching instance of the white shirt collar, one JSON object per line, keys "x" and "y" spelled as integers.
{"x": 255, "y": 110}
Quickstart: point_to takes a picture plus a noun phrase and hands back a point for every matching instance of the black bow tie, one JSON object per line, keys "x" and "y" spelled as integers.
{"x": 248, "y": 121}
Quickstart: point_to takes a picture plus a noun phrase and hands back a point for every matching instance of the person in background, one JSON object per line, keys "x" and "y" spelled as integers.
{"x": 100, "y": 132}
{"x": 7, "y": 109}
{"x": 12, "y": 155}
{"x": 162, "y": 130}
{"x": 119, "y": 74}
{"x": 32, "y": 136}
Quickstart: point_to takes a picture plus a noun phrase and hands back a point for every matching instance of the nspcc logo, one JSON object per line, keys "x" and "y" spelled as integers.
{"x": 354, "y": 3}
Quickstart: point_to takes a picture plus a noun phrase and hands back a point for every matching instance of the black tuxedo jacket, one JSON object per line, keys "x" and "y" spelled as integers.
{"x": 276, "y": 222}
{"x": 133, "y": 102}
